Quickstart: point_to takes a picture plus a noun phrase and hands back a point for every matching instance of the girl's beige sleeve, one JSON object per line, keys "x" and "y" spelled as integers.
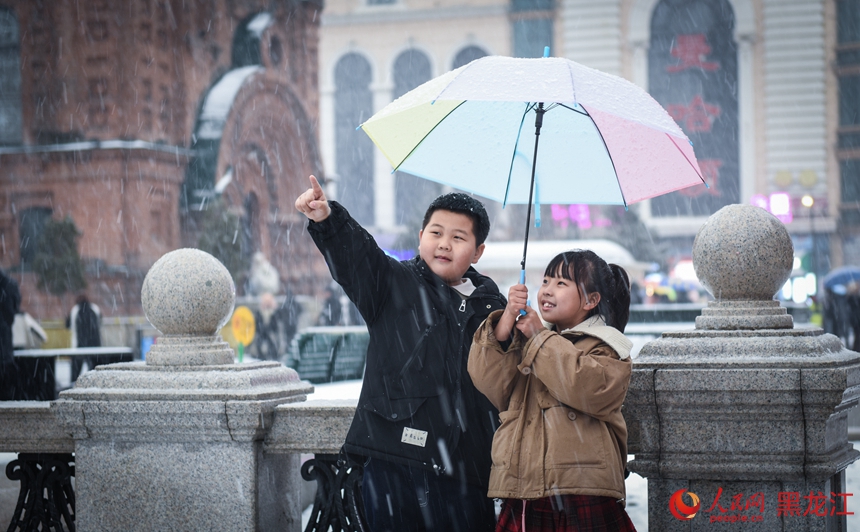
{"x": 587, "y": 375}
{"x": 494, "y": 370}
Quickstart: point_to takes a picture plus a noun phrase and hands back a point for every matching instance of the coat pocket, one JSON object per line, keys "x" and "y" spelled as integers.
{"x": 418, "y": 377}
{"x": 394, "y": 410}
{"x": 505, "y": 439}
{"x": 574, "y": 439}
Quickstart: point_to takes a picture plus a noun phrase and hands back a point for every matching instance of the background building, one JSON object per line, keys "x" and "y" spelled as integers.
{"x": 138, "y": 119}
{"x": 134, "y": 118}
{"x": 768, "y": 91}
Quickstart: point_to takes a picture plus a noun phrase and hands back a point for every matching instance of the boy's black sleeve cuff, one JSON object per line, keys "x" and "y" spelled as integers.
{"x": 330, "y": 226}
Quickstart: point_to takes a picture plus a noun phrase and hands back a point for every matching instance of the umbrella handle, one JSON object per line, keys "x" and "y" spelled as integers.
{"x": 523, "y": 281}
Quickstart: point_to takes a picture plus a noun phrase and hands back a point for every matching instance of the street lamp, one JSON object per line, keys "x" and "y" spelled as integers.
{"x": 808, "y": 201}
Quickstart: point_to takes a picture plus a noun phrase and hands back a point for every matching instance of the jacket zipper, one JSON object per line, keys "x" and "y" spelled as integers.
{"x": 415, "y": 351}
{"x": 463, "y": 306}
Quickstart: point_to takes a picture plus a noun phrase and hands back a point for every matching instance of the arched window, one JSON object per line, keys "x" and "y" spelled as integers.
{"x": 413, "y": 194}
{"x": 467, "y": 55}
{"x": 31, "y": 225}
{"x": 411, "y": 68}
{"x": 693, "y": 73}
{"x": 848, "y": 72}
{"x": 246, "y": 41}
{"x": 10, "y": 79}
{"x": 353, "y": 104}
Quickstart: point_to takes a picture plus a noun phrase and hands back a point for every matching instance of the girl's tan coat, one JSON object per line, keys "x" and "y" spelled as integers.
{"x": 559, "y": 398}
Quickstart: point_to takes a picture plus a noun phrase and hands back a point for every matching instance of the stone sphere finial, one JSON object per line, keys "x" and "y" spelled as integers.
{"x": 743, "y": 253}
{"x": 188, "y": 292}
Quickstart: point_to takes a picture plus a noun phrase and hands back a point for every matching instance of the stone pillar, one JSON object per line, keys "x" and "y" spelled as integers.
{"x": 175, "y": 443}
{"x": 746, "y": 414}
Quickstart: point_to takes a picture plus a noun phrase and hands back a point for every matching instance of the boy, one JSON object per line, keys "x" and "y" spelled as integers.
{"x": 422, "y": 429}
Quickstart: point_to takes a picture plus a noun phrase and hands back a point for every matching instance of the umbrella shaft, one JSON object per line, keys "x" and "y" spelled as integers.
{"x": 539, "y": 112}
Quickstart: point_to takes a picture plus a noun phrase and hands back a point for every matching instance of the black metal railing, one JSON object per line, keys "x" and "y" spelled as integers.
{"x": 46, "y": 500}
{"x": 337, "y": 503}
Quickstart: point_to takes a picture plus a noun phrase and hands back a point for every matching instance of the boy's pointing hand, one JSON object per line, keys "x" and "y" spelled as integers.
{"x": 313, "y": 203}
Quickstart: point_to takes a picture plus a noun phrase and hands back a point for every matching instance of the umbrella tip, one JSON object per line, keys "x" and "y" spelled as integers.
{"x": 546, "y": 51}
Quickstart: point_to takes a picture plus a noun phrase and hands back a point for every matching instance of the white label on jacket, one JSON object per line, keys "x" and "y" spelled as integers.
{"x": 414, "y": 437}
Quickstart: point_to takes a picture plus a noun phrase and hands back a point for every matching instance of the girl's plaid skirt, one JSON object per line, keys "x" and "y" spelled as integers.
{"x": 565, "y": 513}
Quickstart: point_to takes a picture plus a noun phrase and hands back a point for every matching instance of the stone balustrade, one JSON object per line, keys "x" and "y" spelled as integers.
{"x": 186, "y": 439}
{"x": 313, "y": 427}
{"x": 32, "y": 427}
{"x": 746, "y": 412}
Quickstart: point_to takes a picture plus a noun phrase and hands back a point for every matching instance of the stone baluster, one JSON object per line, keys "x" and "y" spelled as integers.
{"x": 176, "y": 442}
{"x": 743, "y": 420}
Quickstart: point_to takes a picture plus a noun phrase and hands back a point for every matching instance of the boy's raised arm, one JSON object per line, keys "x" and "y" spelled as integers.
{"x": 313, "y": 203}
{"x": 353, "y": 257}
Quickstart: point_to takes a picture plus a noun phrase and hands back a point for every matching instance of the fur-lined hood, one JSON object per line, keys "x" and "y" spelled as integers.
{"x": 596, "y": 327}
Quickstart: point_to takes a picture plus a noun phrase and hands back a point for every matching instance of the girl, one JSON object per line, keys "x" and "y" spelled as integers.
{"x": 560, "y": 453}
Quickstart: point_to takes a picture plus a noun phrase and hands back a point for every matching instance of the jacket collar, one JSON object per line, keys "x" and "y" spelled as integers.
{"x": 596, "y": 327}
{"x": 483, "y": 284}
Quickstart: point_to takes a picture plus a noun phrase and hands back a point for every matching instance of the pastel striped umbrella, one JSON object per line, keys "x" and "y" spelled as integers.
{"x": 603, "y": 140}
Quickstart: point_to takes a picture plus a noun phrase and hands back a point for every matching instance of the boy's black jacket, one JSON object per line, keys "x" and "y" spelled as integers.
{"x": 420, "y": 335}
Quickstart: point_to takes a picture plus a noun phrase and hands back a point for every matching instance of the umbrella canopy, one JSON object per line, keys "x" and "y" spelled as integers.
{"x": 839, "y": 279}
{"x": 603, "y": 140}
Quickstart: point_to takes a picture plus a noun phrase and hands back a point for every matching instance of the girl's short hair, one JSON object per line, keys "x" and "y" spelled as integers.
{"x": 592, "y": 274}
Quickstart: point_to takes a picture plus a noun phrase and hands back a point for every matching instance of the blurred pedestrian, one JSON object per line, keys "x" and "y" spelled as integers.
{"x": 332, "y": 309}
{"x": 852, "y": 297}
{"x": 337, "y": 308}
{"x": 291, "y": 311}
{"x": 275, "y": 326}
{"x": 10, "y": 304}
{"x": 841, "y": 313}
{"x": 636, "y": 293}
{"x": 270, "y": 338}
{"x": 84, "y": 321}
{"x": 27, "y": 333}
{"x": 263, "y": 276}
{"x": 267, "y": 341}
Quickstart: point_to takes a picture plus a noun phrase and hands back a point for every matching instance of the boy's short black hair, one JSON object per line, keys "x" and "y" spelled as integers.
{"x": 462, "y": 204}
